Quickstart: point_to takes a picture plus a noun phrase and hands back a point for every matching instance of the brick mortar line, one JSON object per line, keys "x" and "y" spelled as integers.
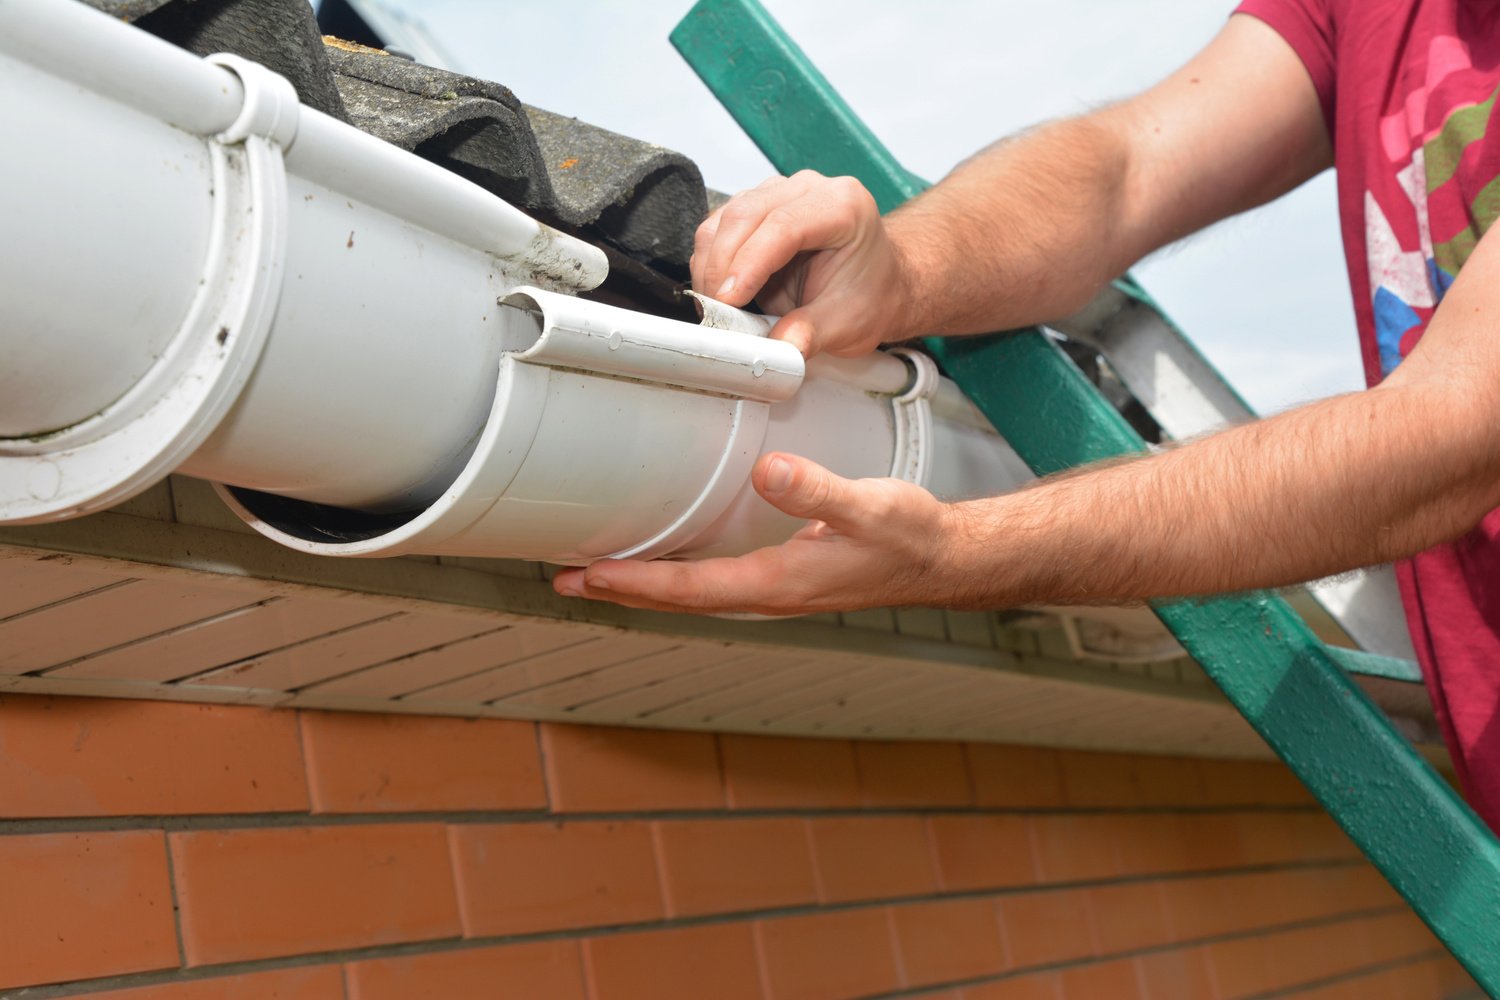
{"x": 1290, "y": 991}
{"x": 1358, "y": 973}
{"x": 458, "y": 883}
{"x": 942, "y": 895}
{"x": 265, "y": 820}
{"x": 659, "y": 870}
{"x": 762, "y": 961}
{"x": 542, "y": 769}
{"x": 299, "y": 723}
{"x": 166, "y": 847}
{"x": 446, "y": 945}
{"x": 819, "y": 905}
{"x": 585, "y": 970}
{"x": 893, "y": 942}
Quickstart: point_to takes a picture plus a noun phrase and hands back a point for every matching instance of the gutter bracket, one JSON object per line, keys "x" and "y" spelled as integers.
{"x": 175, "y": 406}
{"x": 913, "y": 413}
{"x": 271, "y": 109}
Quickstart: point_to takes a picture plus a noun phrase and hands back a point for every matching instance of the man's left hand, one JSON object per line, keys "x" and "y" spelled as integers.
{"x": 868, "y": 543}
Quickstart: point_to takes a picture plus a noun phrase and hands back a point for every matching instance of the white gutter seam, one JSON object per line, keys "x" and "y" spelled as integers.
{"x": 727, "y": 481}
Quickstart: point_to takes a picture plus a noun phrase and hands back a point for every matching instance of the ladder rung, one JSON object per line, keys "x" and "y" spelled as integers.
{"x": 1374, "y": 665}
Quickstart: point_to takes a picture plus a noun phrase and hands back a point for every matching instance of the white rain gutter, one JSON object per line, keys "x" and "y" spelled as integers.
{"x": 377, "y": 356}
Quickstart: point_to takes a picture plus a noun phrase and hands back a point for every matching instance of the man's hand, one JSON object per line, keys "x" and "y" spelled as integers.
{"x": 813, "y": 250}
{"x": 1026, "y": 232}
{"x": 1350, "y": 481}
{"x": 1030, "y": 229}
{"x": 870, "y": 542}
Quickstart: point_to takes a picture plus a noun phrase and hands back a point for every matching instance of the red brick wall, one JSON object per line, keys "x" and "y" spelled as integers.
{"x": 155, "y": 851}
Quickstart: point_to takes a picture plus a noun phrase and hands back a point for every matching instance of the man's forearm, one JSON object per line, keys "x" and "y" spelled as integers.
{"x": 1028, "y": 230}
{"x": 1024, "y": 231}
{"x": 1347, "y": 482}
{"x": 1352, "y": 481}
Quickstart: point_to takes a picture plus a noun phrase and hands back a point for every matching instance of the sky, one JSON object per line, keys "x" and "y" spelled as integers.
{"x": 1265, "y": 295}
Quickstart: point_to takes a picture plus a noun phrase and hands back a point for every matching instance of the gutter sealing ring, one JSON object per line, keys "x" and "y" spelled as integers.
{"x": 178, "y": 403}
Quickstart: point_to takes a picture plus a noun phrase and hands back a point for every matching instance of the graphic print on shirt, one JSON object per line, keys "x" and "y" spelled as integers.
{"x": 1434, "y": 149}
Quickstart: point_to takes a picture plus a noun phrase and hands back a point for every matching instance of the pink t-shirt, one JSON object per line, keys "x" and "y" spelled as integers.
{"x": 1408, "y": 91}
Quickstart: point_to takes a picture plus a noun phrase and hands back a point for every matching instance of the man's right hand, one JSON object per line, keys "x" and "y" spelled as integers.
{"x": 813, "y": 250}
{"x": 1028, "y": 230}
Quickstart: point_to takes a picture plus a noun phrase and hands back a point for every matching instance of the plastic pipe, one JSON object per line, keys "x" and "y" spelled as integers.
{"x": 74, "y": 42}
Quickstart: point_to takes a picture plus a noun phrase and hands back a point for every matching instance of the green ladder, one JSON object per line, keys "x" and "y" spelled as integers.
{"x": 1285, "y": 682}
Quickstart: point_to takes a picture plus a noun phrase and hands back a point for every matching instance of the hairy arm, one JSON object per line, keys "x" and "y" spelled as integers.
{"x": 1351, "y": 481}
{"x": 1346, "y": 482}
{"x": 1030, "y": 228}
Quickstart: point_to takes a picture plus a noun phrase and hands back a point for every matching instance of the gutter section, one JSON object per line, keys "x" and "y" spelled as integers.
{"x": 372, "y": 354}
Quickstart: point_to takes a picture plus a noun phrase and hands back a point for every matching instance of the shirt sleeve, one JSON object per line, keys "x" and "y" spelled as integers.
{"x": 1308, "y": 27}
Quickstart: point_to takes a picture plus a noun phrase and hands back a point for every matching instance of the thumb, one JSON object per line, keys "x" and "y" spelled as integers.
{"x": 798, "y": 329}
{"x": 825, "y": 326}
{"x": 804, "y": 489}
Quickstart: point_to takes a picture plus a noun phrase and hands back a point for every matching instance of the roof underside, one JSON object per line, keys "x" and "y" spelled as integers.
{"x": 170, "y": 596}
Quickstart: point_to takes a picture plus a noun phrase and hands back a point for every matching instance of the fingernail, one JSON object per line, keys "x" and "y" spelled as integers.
{"x": 726, "y": 289}
{"x": 778, "y": 475}
{"x": 568, "y": 590}
{"x": 598, "y": 584}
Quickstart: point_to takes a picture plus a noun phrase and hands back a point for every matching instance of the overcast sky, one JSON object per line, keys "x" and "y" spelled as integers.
{"x": 1265, "y": 296}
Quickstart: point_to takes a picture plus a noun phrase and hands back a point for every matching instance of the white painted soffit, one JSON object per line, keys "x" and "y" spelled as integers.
{"x": 203, "y": 614}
